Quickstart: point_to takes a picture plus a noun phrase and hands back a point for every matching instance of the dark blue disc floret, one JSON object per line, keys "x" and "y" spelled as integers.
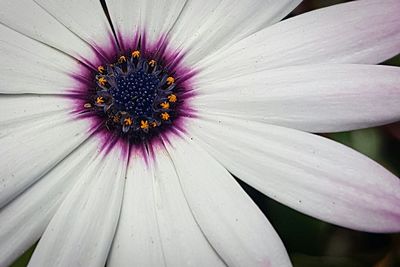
{"x": 135, "y": 93}
{"x": 135, "y": 96}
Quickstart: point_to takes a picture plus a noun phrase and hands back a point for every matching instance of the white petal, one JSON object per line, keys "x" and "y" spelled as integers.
{"x": 35, "y": 147}
{"x": 204, "y": 27}
{"x": 26, "y": 17}
{"x": 306, "y": 172}
{"x": 29, "y": 66}
{"x": 126, "y": 19}
{"x": 183, "y": 242}
{"x": 17, "y": 110}
{"x": 86, "y": 19}
{"x": 315, "y": 98}
{"x": 154, "y": 17}
{"x": 137, "y": 240}
{"x": 24, "y": 220}
{"x": 232, "y": 223}
{"x": 81, "y": 232}
{"x": 357, "y": 32}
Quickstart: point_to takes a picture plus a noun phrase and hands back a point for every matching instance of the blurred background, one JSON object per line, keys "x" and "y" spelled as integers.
{"x": 313, "y": 243}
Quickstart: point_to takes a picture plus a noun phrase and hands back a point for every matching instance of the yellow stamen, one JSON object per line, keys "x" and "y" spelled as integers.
{"x": 136, "y": 54}
{"x": 102, "y": 81}
{"x": 165, "y": 105}
{"x": 144, "y": 125}
{"x": 100, "y": 69}
{"x": 170, "y": 80}
{"x": 87, "y": 105}
{"x": 122, "y": 59}
{"x": 152, "y": 63}
{"x": 165, "y": 116}
{"x": 128, "y": 121}
{"x": 172, "y": 98}
{"x": 154, "y": 124}
{"x": 100, "y": 100}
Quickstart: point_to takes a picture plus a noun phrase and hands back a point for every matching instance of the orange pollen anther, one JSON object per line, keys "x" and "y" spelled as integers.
{"x": 152, "y": 63}
{"x": 154, "y": 124}
{"x": 136, "y": 54}
{"x": 144, "y": 125}
{"x": 128, "y": 121}
{"x": 100, "y": 100}
{"x": 102, "y": 81}
{"x": 170, "y": 80}
{"x": 116, "y": 119}
{"x": 165, "y": 105}
{"x": 122, "y": 59}
{"x": 172, "y": 98}
{"x": 100, "y": 69}
{"x": 165, "y": 116}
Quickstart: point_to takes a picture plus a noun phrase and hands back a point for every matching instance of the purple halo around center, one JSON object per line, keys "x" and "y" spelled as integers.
{"x": 86, "y": 90}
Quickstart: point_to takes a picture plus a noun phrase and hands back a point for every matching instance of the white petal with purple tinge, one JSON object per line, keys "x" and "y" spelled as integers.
{"x": 232, "y": 223}
{"x": 126, "y": 19}
{"x": 315, "y": 98}
{"x": 86, "y": 19}
{"x": 24, "y": 219}
{"x": 81, "y": 232}
{"x": 366, "y": 31}
{"x": 137, "y": 240}
{"x": 307, "y": 172}
{"x": 155, "y": 18}
{"x": 157, "y": 227}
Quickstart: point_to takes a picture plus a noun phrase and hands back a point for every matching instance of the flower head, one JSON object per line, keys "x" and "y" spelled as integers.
{"x": 119, "y": 146}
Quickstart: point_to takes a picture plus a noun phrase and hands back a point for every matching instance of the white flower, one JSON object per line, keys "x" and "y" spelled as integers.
{"x": 91, "y": 198}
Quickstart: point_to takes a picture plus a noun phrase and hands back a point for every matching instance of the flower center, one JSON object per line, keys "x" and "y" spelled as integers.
{"x": 135, "y": 96}
{"x": 135, "y": 93}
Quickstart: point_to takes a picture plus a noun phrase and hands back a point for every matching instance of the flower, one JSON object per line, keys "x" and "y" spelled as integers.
{"x": 100, "y": 176}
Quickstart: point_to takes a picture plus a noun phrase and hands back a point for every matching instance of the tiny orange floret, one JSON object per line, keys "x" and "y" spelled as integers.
{"x": 128, "y": 121}
{"x": 165, "y": 116}
{"x": 154, "y": 124}
{"x": 165, "y": 105}
{"x": 172, "y": 98}
{"x": 122, "y": 59}
{"x": 100, "y": 100}
{"x": 102, "y": 81}
{"x": 100, "y": 69}
{"x": 116, "y": 119}
{"x": 152, "y": 63}
{"x": 136, "y": 54}
{"x": 144, "y": 125}
{"x": 170, "y": 80}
